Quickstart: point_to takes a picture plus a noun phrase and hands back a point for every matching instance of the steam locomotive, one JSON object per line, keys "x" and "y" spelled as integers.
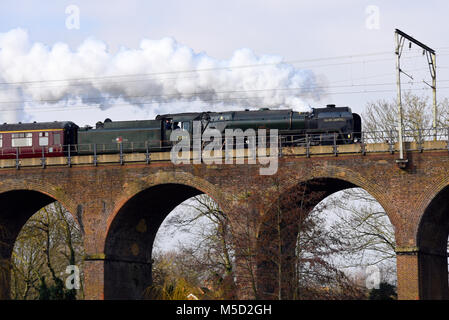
{"x": 321, "y": 126}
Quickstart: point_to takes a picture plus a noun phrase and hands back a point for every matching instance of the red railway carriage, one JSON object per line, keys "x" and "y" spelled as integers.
{"x": 31, "y": 140}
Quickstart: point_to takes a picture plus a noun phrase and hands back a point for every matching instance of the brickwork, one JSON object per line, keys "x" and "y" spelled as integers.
{"x": 103, "y": 200}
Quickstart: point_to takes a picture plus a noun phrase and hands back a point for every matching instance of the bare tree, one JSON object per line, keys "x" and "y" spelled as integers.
{"x": 366, "y": 232}
{"x": 360, "y": 221}
{"x": 294, "y": 247}
{"x": 174, "y": 277}
{"x": 209, "y": 256}
{"x": 278, "y": 232}
{"x": 49, "y": 242}
{"x": 380, "y": 118}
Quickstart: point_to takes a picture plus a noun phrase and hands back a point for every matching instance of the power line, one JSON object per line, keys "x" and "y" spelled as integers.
{"x": 166, "y": 96}
{"x": 153, "y": 74}
{"x": 99, "y": 78}
{"x": 215, "y": 100}
{"x": 177, "y": 78}
{"x": 196, "y": 94}
{"x": 200, "y": 70}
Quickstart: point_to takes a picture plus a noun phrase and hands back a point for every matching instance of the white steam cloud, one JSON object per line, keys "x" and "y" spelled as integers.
{"x": 158, "y": 73}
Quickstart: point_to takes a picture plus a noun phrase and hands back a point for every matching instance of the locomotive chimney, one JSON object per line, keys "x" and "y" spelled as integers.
{"x": 330, "y": 106}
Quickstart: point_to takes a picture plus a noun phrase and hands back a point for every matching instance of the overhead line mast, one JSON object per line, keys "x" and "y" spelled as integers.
{"x": 400, "y": 38}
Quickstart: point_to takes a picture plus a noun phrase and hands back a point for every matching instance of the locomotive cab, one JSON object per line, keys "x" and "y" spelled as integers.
{"x": 182, "y": 121}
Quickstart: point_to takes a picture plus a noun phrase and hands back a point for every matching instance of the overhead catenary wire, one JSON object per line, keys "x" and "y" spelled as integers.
{"x": 31, "y": 85}
{"x": 194, "y": 96}
{"x": 43, "y": 83}
{"x": 197, "y": 94}
{"x": 193, "y": 70}
{"x": 213, "y": 100}
{"x": 152, "y": 74}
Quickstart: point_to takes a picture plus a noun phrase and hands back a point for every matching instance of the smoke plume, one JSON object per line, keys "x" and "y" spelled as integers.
{"x": 156, "y": 74}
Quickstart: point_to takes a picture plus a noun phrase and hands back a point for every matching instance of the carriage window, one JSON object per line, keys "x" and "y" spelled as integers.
{"x": 43, "y": 138}
{"x": 22, "y": 139}
{"x": 56, "y": 138}
{"x": 1, "y": 141}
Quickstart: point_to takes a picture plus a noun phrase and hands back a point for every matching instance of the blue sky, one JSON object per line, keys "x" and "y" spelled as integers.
{"x": 293, "y": 30}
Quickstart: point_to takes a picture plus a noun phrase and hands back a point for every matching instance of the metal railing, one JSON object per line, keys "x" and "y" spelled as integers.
{"x": 287, "y": 144}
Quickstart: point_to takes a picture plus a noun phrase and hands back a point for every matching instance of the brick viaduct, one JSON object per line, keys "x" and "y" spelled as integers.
{"x": 120, "y": 208}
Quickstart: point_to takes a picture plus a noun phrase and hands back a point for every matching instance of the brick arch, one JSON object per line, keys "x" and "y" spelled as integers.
{"x": 424, "y": 201}
{"x": 17, "y": 204}
{"x": 133, "y": 188}
{"x": 132, "y": 228}
{"x": 433, "y": 206}
{"x": 44, "y": 188}
{"x": 328, "y": 183}
{"x": 412, "y": 225}
{"x": 356, "y": 179}
{"x": 432, "y": 233}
